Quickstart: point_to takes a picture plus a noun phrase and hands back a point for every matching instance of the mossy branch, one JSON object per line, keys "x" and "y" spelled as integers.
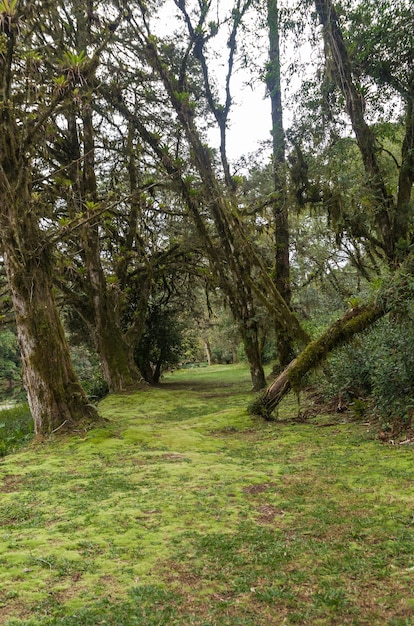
{"x": 354, "y": 321}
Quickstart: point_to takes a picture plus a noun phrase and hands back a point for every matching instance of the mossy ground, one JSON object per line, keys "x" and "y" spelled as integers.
{"x": 185, "y": 510}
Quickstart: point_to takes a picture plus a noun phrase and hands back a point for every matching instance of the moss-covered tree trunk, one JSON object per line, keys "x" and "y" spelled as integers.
{"x": 115, "y": 353}
{"x": 354, "y": 321}
{"x": 406, "y": 173}
{"x": 100, "y": 306}
{"x": 249, "y": 332}
{"x": 56, "y": 399}
{"x": 355, "y": 107}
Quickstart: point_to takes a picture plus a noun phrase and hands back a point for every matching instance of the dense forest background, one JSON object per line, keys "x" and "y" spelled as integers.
{"x": 131, "y": 243}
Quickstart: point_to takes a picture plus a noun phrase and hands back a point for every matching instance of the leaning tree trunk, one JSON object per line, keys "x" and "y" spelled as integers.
{"x": 115, "y": 353}
{"x": 56, "y": 399}
{"x": 342, "y": 331}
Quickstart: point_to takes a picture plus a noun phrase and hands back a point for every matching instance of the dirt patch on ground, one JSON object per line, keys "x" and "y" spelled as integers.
{"x": 253, "y": 490}
{"x": 14, "y": 609}
{"x": 178, "y": 574}
{"x": 269, "y": 513}
{"x": 172, "y": 456}
{"x": 10, "y": 483}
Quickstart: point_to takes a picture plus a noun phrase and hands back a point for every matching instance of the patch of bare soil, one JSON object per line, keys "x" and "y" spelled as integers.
{"x": 181, "y": 577}
{"x": 13, "y": 608}
{"x": 268, "y": 514}
{"x": 173, "y": 457}
{"x": 10, "y": 483}
{"x": 259, "y": 488}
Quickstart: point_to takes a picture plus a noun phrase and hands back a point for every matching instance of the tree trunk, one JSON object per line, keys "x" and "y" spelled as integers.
{"x": 56, "y": 399}
{"x": 280, "y": 207}
{"x": 406, "y": 174}
{"x": 146, "y": 370}
{"x": 116, "y": 355}
{"x": 250, "y": 337}
{"x": 342, "y": 331}
{"x": 207, "y": 348}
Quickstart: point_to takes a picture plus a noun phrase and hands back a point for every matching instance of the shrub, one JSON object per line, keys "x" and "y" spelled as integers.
{"x": 377, "y": 366}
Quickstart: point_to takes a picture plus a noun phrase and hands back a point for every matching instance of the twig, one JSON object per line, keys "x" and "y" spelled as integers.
{"x": 56, "y": 429}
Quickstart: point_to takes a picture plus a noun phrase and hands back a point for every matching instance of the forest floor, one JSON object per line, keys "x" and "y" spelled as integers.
{"x": 184, "y": 510}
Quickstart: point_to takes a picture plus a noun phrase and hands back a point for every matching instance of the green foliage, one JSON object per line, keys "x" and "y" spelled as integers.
{"x": 381, "y": 36}
{"x": 10, "y": 366}
{"x": 16, "y": 428}
{"x": 223, "y": 336}
{"x": 87, "y": 367}
{"x": 377, "y": 367}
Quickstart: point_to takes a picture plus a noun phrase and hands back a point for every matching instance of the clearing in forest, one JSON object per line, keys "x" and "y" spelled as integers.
{"x": 185, "y": 510}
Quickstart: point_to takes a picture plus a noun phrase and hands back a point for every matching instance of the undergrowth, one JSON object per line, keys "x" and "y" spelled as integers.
{"x": 184, "y": 510}
{"x": 16, "y": 428}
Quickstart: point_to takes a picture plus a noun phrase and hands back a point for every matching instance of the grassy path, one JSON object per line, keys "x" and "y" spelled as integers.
{"x": 185, "y": 511}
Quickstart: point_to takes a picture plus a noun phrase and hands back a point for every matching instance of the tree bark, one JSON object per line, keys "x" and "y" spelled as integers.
{"x": 406, "y": 174}
{"x": 207, "y": 348}
{"x": 103, "y": 318}
{"x": 249, "y": 332}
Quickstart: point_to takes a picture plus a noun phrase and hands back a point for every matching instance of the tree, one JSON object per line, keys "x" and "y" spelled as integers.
{"x": 29, "y": 98}
{"x": 161, "y": 344}
{"x": 391, "y": 213}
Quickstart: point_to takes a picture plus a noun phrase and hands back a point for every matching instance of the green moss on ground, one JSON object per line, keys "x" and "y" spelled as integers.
{"x": 185, "y": 510}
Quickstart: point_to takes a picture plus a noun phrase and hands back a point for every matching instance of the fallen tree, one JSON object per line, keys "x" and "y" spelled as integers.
{"x": 393, "y": 295}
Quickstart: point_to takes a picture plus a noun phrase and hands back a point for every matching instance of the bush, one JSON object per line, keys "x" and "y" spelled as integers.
{"x": 377, "y": 366}
{"x": 10, "y": 367}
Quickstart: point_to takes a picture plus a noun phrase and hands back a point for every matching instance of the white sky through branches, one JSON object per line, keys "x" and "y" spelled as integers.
{"x": 250, "y": 115}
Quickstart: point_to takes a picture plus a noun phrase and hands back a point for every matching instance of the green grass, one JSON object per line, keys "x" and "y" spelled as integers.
{"x": 184, "y": 510}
